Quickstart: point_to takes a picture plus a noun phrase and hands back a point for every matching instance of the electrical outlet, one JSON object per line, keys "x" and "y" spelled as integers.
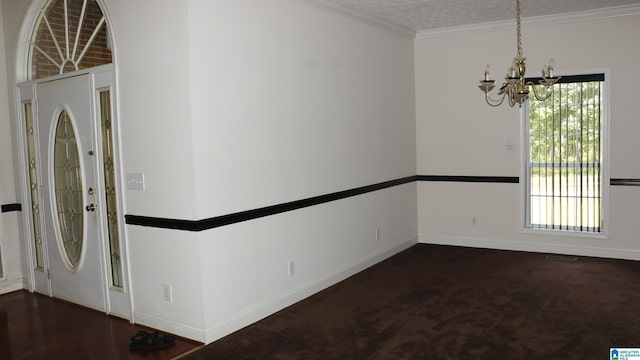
{"x": 474, "y": 221}
{"x": 377, "y": 234}
{"x": 167, "y": 293}
{"x": 292, "y": 267}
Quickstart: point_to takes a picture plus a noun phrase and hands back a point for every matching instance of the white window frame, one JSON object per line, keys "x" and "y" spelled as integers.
{"x": 605, "y": 167}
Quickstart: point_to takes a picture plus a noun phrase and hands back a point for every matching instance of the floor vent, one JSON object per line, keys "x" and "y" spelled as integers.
{"x": 562, "y": 257}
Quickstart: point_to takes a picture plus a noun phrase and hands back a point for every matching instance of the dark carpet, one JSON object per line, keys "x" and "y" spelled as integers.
{"x": 445, "y": 302}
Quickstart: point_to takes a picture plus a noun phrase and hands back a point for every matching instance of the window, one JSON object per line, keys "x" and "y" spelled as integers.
{"x": 564, "y": 160}
{"x": 110, "y": 187}
{"x": 34, "y": 186}
{"x": 70, "y": 35}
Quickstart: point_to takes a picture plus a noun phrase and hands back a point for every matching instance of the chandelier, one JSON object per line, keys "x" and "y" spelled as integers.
{"x": 515, "y": 88}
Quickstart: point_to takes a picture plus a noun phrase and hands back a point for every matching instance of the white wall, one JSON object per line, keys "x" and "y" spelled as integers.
{"x": 10, "y": 251}
{"x": 152, "y": 60}
{"x": 458, "y": 134}
{"x": 245, "y": 265}
{"x": 289, "y": 102}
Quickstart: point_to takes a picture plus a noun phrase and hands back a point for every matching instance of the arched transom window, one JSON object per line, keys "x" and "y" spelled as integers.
{"x": 69, "y": 35}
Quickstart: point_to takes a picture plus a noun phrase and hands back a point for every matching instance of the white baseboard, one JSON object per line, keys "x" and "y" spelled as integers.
{"x": 169, "y": 326}
{"x": 532, "y": 247}
{"x": 280, "y": 302}
{"x": 7, "y": 286}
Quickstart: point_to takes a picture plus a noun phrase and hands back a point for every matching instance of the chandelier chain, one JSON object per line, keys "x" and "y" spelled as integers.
{"x": 519, "y": 26}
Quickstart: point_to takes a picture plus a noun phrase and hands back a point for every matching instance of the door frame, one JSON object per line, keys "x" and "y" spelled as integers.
{"x": 119, "y": 301}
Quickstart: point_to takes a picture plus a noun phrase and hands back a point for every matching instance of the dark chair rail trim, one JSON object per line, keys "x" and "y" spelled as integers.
{"x": 481, "y": 179}
{"x": 218, "y": 221}
{"x": 625, "y": 182}
{"x": 11, "y": 207}
{"x": 214, "y": 222}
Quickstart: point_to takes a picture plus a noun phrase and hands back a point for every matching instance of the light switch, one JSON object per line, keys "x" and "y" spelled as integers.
{"x": 135, "y": 181}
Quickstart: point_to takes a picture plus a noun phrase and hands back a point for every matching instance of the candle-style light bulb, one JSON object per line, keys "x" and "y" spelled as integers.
{"x": 550, "y": 67}
{"x": 487, "y": 70}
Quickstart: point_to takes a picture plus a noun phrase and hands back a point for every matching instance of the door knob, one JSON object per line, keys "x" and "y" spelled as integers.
{"x": 90, "y": 207}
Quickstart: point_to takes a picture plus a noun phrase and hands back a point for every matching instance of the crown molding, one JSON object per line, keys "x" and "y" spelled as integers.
{"x": 404, "y": 31}
{"x": 363, "y": 18}
{"x": 587, "y": 15}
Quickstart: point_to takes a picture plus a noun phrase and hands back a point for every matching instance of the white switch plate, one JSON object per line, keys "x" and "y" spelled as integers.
{"x": 292, "y": 267}
{"x": 167, "y": 292}
{"x": 135, "y": 181}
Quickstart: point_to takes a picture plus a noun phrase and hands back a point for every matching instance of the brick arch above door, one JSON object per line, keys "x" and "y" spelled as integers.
{"x": 60, "y": 36}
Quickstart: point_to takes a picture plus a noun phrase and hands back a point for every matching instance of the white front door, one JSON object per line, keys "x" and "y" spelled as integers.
{"x": 69, "y": 163}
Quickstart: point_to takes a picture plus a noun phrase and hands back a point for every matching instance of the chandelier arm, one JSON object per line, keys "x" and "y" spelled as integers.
{"x": 540, "y": 96}
{"x": 512, "y": 100}
{"x": 494, "y": 102}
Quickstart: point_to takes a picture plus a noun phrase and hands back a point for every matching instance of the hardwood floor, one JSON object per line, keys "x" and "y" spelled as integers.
{"x": 34, "y": 326}
{"x": 446, "y": 302}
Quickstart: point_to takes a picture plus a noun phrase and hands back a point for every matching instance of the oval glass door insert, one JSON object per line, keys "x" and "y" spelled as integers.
{"x": 68, "y": 191}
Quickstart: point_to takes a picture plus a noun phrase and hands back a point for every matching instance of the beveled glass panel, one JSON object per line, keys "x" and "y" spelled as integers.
{"x": 110, "y": 187}
{"x": 33, "y": 185}
{"x": 68, "y": 190}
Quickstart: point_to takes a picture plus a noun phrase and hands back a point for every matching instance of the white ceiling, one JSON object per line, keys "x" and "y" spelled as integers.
{"x": 424, "y": 15}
